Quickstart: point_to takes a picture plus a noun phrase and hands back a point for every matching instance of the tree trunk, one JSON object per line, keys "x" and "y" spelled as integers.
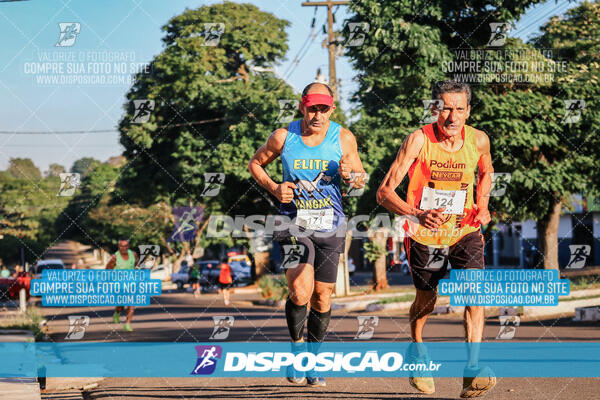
{"x": 261, "y": 263}
{"x": 379, "y": 271}
{"x": 547, "y": 233}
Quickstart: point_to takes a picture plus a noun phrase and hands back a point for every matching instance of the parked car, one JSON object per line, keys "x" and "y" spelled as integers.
{"x": 160, "y": 272}
{"x": 209, "y": 272}
{"x": 241, "y": 273}
{"x": 351, "y": 266}
{"x": 182, "y": 277}
{"x": 238, "y": 257}
{"x": 46, "y": 264}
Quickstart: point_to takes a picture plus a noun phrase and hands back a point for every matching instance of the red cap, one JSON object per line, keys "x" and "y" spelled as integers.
{"x": 317, "y": 98}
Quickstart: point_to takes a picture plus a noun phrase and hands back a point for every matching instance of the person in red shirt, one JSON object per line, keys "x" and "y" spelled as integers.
{"x": 225, "y": 280}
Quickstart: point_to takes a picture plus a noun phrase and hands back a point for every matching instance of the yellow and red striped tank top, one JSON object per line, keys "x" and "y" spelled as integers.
{"x": 440, "y": 169}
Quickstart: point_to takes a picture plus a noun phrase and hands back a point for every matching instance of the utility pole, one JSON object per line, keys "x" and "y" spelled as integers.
{"x": 330, "y": 39}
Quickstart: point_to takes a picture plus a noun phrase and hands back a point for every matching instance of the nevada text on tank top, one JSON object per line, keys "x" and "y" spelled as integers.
{"x": 440, "y": 178}
{"x": 317, "y": 203}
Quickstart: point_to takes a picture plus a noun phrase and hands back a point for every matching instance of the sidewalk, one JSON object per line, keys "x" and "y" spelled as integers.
{"x": 18, "y": 388}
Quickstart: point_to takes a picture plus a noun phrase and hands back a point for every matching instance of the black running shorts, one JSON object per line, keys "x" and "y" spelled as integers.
{"x": 323, "y": 253}
{"x": 429, "y": 264}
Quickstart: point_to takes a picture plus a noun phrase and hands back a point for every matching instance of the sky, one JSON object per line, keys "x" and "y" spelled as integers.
{"x": 131, "y": 29}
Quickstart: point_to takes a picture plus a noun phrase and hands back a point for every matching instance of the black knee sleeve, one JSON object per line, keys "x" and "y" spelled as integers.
{"x": 318, "y": 322}
{"x": 295, "y": 316}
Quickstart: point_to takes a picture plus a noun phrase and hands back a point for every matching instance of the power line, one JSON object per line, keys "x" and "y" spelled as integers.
{"x": 206, "y": 121}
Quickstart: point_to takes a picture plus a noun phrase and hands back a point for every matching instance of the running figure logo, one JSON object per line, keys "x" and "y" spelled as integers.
{"x": 212, "y": 33}
{"x": 207, "y": 359}
{"x": 366, "y": 327}
{"x": 142, "y": 110}
{"x": 508, "y": 324}
{"x": 69, "y": 181}
{"x": 68, "y": 33}
{"x": 148, "y": 255}
{"x": 287, "y": 111}
{"x": 573, "y": 109}
{"x": 223, "y": 325}
{"x": 356, "y": 192}
{"x": 357, "y": 33}
{"x": 186, "y": 223}
{"x": 292, "y": 254}
{"x": 499, "y": 33}
{"x": 579, "y": 255}
{"x": 77, "y": 325}
{"x": 431, "y": 111}
{"x": 437, "y": 257}
{"x": 212, "y": 183}
{"x": 500, "y": 181}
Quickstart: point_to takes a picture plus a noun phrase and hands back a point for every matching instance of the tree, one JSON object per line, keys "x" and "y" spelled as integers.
{"x": 55, "y": 170}
{"x": 406, "y": 51}
{"x": 550, "y": 160}
{"x": 27, "y": 211}
{"x": 212, "y": 110}
{"x": 23, "y": 168}
{"x": 84, "y": 165}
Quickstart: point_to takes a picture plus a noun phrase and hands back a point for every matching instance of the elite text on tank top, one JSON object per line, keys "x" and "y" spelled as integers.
{"x": 440, "y": 178}
{"x": 317, "y": 203}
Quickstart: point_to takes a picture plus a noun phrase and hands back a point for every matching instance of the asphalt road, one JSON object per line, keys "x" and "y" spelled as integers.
{"x": 179, "y": 317}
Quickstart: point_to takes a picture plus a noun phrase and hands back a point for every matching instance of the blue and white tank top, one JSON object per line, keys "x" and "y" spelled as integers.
{"x": 317, "y": 203}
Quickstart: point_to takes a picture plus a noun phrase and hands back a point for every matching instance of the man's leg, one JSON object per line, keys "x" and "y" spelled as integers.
{"x": 425, "y": 279}
{"x": 300, "y": 284}
{"x": 320, "y": 311}
{"x": 117, "y": 314}
{"x": 129, "y": 314}
{"x": 422, "y": 306}
{"x": 474, "y": 320}
{"x": 467, "y": 253}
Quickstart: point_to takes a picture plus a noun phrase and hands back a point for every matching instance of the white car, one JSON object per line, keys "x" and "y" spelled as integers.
{"x": 46, "y": 264}
{"x": 160, "y": 272}
{"x": 351, "y": 266}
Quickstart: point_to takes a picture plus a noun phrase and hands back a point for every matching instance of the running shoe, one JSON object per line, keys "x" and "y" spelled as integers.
{"x": 315, "y": 381}
{"x": 127, "y": 328}
{"x": 116, "y": 317}
{"x": 420, "y": 380}
{"x": 477, "y": 381}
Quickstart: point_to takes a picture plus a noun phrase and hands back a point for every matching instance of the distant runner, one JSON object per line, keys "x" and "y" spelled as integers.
{"x": 123, "y": 259}
{"x": 225, "y": 279}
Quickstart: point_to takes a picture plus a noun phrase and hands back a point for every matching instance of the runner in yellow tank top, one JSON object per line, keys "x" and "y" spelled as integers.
{"x": 444, "y": 219}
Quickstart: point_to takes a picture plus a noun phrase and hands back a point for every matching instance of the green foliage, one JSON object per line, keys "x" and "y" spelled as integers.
{"x": 55, "y": 170}
{"x": 397, "y": 299}
{"x": 84, "y": 165}
{"x": 403, "y": 55}
{"x": 191, "y": 82}
{"x": 23, "y": 168}
{"x": 373, "y": 251}
{"x": 273, "y": 287}
{"x": 27, "y": 211}
{"x": 30, "y": 321}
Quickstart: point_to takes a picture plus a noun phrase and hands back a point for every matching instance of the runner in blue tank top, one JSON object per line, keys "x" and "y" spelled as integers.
{"x": 316, "y": 154}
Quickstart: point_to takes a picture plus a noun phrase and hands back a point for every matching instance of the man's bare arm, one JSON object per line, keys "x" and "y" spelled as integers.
{"x": 387, "y": 196}
{"x": 484, "y": 176}
{"x": 408, "y": 153}
{"x": 265, "y": 155}
{"x": 112, "y": 262}
{"x": 351, "y": 160}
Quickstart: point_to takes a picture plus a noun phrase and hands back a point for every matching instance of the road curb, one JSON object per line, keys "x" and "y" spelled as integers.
{"x": 18, "y": 388}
